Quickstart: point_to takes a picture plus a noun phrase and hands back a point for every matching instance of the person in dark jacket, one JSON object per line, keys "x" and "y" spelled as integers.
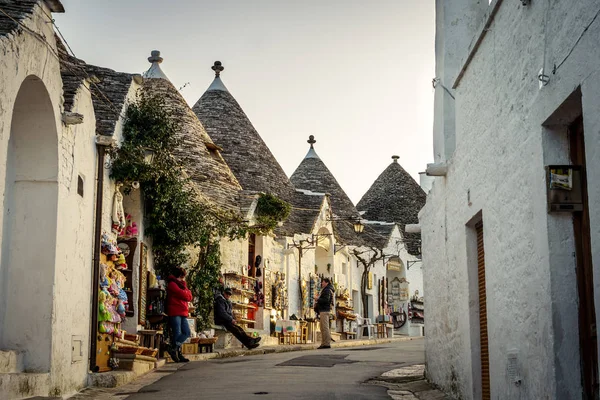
{"x": 323, "y": 308}
{"x": 178, "y": 296}
{"x": 224, "y": 316}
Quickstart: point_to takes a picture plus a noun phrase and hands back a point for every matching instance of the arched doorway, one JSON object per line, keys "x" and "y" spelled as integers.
{"x": 30, "y": 227}
{"x": 324, "y": 253}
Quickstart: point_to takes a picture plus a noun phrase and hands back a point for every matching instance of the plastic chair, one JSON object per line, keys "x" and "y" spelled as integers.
{"x": 364, "y": 323}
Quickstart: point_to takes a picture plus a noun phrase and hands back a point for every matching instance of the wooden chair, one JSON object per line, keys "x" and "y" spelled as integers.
{"x": 302, "y": 334}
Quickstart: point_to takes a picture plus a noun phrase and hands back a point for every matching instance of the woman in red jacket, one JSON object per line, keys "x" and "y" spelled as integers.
{"x": 178, "y": 296}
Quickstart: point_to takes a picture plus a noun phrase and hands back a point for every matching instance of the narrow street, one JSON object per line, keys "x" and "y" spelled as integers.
{"x": 337, "y": 373}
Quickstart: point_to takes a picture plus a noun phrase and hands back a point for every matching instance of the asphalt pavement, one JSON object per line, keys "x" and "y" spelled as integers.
{"x": 336, "y": 373}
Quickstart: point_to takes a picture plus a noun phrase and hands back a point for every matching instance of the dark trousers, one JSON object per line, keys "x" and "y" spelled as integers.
{"x": 239, "y": 333}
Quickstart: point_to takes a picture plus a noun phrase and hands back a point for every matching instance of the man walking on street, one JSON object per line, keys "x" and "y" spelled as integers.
{"x": 323, "y": 307}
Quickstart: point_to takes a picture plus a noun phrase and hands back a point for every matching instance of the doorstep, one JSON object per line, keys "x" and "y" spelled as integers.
{"x": 112, "y": 379}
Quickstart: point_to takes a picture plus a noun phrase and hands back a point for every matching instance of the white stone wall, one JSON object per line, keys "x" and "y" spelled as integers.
{"x": 56, "y": 304}
{"x": 73, "y": 280}
{"x": 497, "y": 173}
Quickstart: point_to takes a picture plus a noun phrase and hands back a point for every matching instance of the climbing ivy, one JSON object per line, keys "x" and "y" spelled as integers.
{"x": 175, "y": 218}
{"x": 270, "y": 210}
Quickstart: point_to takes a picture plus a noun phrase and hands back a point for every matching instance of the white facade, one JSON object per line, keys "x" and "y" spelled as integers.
{"x": 496, "y": 128}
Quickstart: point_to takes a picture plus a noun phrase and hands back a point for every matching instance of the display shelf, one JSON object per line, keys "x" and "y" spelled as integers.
{"x": 239, "y": 276}
{"x": 242, "y": 305}
{"x": 248, "y": 292}
{"x": 242, "y": 288}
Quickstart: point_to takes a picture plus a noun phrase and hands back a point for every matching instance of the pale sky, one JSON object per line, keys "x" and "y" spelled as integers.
{"x": 356, "y": 74}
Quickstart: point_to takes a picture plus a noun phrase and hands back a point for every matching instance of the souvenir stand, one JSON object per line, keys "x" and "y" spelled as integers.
{"x": 116, "y": 294}
{"x": 115, "y": 348}
{"x": 346, "y": 318}
{"x": 243, "y": 288}
{"x": 416, "y": 313}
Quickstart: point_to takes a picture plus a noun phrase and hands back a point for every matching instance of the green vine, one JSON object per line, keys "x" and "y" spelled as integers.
{"x": 271, "y": 210}
{"x": 175, "y": 218}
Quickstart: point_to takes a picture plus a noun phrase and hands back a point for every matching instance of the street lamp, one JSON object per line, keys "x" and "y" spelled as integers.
{"x": 358, "y": 226}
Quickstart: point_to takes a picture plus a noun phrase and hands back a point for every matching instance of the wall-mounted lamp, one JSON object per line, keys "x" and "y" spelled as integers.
{"x": 148, "y": 155}
{"x": 358, "y": 226}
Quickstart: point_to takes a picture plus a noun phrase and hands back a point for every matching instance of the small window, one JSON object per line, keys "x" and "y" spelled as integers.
{"x": 80, "y": 185}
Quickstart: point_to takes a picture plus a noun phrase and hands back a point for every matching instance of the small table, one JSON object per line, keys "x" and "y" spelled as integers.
{"x": 150, "y": 338}
{"x": 207, "y": 344}
{"x": 287, "y": 330}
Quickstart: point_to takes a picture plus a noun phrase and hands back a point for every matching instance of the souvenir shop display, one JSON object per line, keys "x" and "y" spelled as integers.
{"x": 244, "y": 290}
{"x": 416, "y": 309}
{"x": 280, "y": 295}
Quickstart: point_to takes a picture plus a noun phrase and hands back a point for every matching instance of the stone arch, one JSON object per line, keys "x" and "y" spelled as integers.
{"x": 324, "y": 252}
{"x": 30, "y": 227}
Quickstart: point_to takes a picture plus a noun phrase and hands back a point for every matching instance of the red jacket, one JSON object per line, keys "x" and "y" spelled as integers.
{"x": 178, "y": 296}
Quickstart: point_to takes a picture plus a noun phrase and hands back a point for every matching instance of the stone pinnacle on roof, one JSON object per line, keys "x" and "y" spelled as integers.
{"x": 217, "y": 84}
{"x": 217, "y": 67}
{"x": 155, "y": 72}
{"x": 312, "y": 174}
{"x": 244, "y": 150}
{"x": 311, "y": 152}
{"x": 395, "y": 197}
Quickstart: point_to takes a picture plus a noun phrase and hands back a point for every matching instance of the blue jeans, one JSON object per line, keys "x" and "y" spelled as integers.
{"x": 180, "y": 330}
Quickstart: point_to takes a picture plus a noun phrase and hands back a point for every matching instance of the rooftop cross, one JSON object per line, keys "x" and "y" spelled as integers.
{"x": 395, "y": 158}
{"x": 218, "y": 68}
{"x": 311, "y": 140}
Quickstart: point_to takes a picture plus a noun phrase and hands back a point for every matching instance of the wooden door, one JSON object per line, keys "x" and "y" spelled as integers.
{"x": 483, "y": 331}
{"x": 584, "y": 270}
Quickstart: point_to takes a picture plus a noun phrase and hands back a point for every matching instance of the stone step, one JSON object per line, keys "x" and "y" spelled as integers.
{"x": 24, "y": 385}
{"x": 11, "y": 361}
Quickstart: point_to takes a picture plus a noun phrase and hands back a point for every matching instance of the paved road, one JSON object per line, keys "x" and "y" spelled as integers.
{"x": 313, "y": 374}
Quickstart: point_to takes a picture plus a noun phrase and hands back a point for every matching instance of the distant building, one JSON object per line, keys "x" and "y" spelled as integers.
{"x": 510, "y": 243}
{"x": 392, "y": 202}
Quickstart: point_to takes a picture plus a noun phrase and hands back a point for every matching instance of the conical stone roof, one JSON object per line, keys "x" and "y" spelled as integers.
{"x": 245, "y": 152}
{"x": 395, "y": 197}
{"x": 312, "y": 174}
{"x": 198, "y": 153}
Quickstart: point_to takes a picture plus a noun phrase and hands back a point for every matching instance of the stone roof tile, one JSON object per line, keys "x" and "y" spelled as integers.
{"x": 198, "y": 154}
{"x": 395, "y": 197}
{"x": 108, "y": 88}
{"x": 18, "y": 10}
{"x": 312, "y": 174}
{"x": 305, "y": 211}
{"x": 245, "y": 152}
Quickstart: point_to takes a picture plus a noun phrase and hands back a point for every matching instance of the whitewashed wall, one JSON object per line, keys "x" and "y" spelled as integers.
{"x": 530, "y": 280}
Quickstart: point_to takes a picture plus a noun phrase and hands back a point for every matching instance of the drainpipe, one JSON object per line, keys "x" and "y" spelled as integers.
{"x": 102, "y": 143}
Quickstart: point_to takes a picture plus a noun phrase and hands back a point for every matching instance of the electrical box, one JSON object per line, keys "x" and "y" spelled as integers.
{"x": 564, "y": 187}
{"x": 76, "y": 348}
